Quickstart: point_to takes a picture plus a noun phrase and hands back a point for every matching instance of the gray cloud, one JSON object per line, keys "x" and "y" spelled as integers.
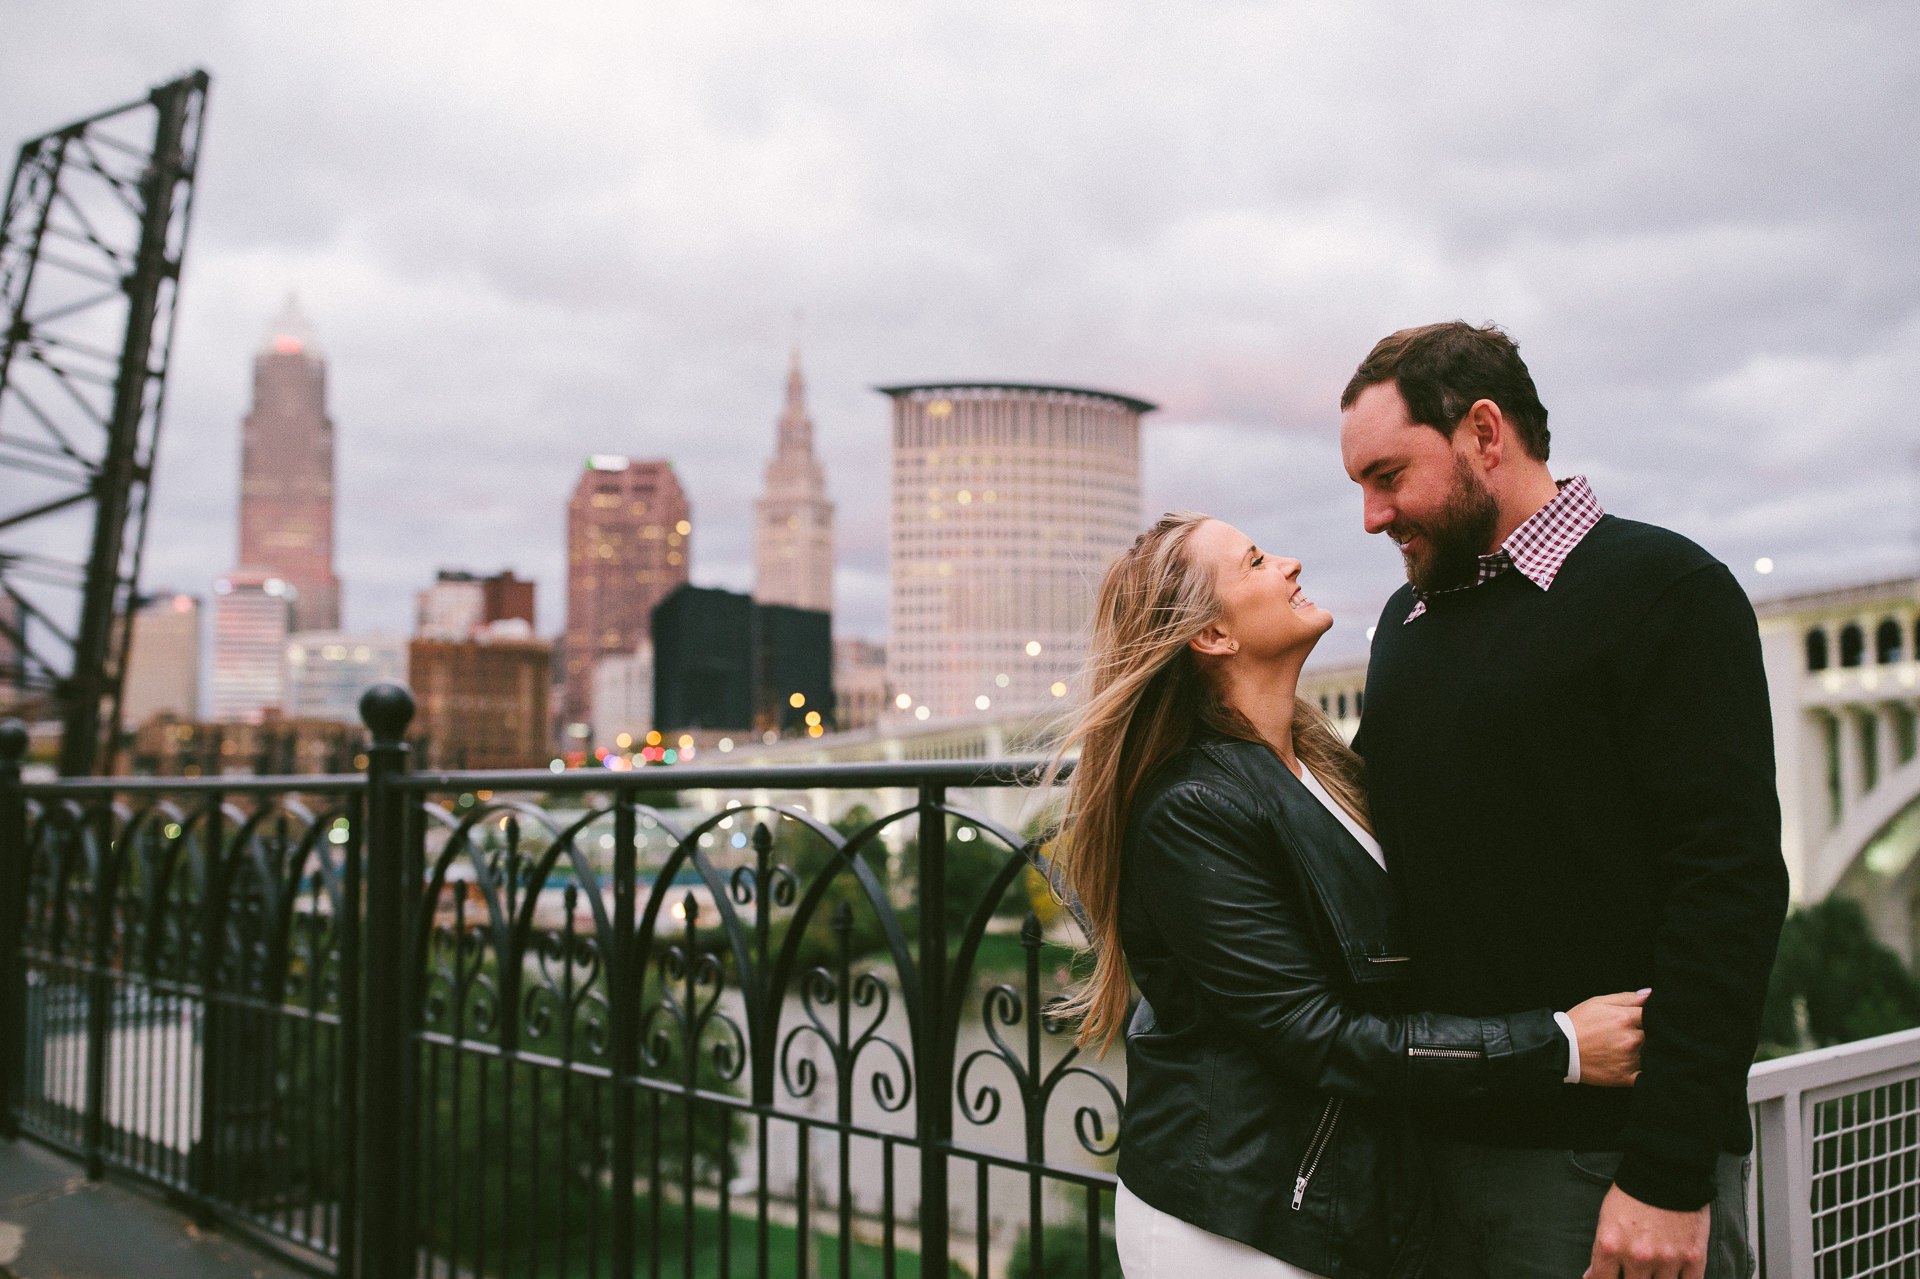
{"x": 526, "y": 236}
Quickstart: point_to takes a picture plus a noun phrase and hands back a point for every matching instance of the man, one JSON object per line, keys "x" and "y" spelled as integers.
{"x": 1570, "y": 763}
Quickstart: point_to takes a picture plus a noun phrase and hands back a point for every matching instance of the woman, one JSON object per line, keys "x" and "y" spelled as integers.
{"x": 1216, "y": 837}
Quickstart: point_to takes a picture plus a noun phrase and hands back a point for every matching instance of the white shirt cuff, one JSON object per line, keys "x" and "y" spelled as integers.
{"x": 1573, "y": 1048}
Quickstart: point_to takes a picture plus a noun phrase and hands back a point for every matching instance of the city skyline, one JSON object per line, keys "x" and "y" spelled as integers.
{"x": 1218, "y": 212}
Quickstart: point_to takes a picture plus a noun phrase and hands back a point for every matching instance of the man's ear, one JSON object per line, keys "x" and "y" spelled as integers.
{"x": 1213, "y": 642}
{"x": 1485, "y": 428}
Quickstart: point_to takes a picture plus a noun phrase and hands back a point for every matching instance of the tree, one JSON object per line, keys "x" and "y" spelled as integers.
{"x": 1833, "y": 982}
{"x": 809, "y": 857}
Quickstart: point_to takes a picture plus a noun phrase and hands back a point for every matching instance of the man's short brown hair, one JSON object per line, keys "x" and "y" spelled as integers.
{"x": 1442, "y": 369}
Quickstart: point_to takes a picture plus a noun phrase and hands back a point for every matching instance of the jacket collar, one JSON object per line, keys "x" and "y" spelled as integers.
{"x": 1298, "y": 804}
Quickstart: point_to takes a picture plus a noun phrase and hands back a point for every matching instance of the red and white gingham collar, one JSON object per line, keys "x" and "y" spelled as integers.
{"x": 1540, "y": 546}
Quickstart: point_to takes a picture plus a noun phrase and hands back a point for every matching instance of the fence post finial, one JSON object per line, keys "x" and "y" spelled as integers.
{"x": 387, "y": 709}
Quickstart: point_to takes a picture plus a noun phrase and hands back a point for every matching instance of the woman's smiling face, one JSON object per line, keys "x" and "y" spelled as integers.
{"x": 1262, "y": 606}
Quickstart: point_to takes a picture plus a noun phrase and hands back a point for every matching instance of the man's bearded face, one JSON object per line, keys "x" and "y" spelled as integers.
{"x": 1443, "y": 550}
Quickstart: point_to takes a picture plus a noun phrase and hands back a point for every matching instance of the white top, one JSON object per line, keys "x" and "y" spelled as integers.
{"x": 1332, "y": 805}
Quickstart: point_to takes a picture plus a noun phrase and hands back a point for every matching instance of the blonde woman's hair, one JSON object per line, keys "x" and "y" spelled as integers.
{"x": 1146, "y": 698}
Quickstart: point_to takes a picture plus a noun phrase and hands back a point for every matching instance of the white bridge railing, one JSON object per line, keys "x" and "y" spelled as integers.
{"x": 1836, "y": 1186}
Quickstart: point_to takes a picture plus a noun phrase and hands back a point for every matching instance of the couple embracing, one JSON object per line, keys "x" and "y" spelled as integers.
{"x": 1477, "y": 995}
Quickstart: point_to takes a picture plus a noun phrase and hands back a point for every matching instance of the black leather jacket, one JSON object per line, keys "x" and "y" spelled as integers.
{"x": 1269, "y": 1066}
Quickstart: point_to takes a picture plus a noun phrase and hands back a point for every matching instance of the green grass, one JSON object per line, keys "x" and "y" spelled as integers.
{"x": 1002, "y": 958}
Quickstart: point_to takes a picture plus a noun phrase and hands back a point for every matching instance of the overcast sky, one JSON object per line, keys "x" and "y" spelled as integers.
{"x": 527, "y": 233}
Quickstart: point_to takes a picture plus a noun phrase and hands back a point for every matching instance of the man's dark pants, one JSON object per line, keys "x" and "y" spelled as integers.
{"x": 1531, "y": 1214}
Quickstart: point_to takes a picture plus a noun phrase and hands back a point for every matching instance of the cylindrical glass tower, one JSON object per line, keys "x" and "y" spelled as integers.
{"x": 1009, "y": 501}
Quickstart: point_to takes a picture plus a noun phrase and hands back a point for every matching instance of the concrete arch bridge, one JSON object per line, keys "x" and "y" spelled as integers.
{"x": 1843, "y": 667}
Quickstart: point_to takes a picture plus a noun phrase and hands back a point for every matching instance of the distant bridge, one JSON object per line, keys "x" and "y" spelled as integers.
{"x": 1842, "y": 669}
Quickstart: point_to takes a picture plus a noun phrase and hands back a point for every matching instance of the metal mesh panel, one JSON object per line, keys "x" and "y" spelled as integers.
{"x": 1866, "y": 1182}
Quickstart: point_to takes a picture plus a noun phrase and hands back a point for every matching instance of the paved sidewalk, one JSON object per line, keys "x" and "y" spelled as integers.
{"x": 55, "y": 1224}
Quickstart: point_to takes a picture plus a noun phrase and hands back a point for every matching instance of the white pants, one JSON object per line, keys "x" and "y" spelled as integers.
{"x": 1157, "y": 1245}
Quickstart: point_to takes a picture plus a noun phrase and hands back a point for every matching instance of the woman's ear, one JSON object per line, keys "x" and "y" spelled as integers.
{"x": 1213, "y": 642}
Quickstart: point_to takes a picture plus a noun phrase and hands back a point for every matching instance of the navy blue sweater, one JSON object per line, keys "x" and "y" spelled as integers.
{"x": 1575, "y": 791}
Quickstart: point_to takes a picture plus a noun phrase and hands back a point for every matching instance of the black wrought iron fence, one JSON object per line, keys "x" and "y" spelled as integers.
{"x": 180, "y": 991}
{"x": 561, "y": 1024}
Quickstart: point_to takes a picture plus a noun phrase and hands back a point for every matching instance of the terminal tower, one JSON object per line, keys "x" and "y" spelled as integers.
{"x": 793, "y": 538}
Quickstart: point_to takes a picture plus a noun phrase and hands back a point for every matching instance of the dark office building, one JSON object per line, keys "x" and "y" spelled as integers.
{"x": 793, "y": 655}
{"x": 703, "y": 660}
{"x": 722, "y": 662}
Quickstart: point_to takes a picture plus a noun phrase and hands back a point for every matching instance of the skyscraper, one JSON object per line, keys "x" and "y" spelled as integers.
{"x": 286, "y": 472}
{"x": 793, "y": 520}
{"x": 629, "y": 542}
{"x": 252, "y": 617}
{"x": 163, "y": 662}
{"x": 1009, "y": 501}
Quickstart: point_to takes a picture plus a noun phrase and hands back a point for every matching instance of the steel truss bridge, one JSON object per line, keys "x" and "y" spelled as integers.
{"x": 91, "y": 241}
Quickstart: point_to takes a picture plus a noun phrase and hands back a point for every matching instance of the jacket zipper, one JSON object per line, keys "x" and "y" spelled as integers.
{"x": 1457, "y": 1054}
{"x": 1322, "y": 1137}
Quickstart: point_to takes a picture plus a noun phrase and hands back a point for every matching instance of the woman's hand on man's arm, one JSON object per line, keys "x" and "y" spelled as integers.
{"x": 1607, "y": 1035}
